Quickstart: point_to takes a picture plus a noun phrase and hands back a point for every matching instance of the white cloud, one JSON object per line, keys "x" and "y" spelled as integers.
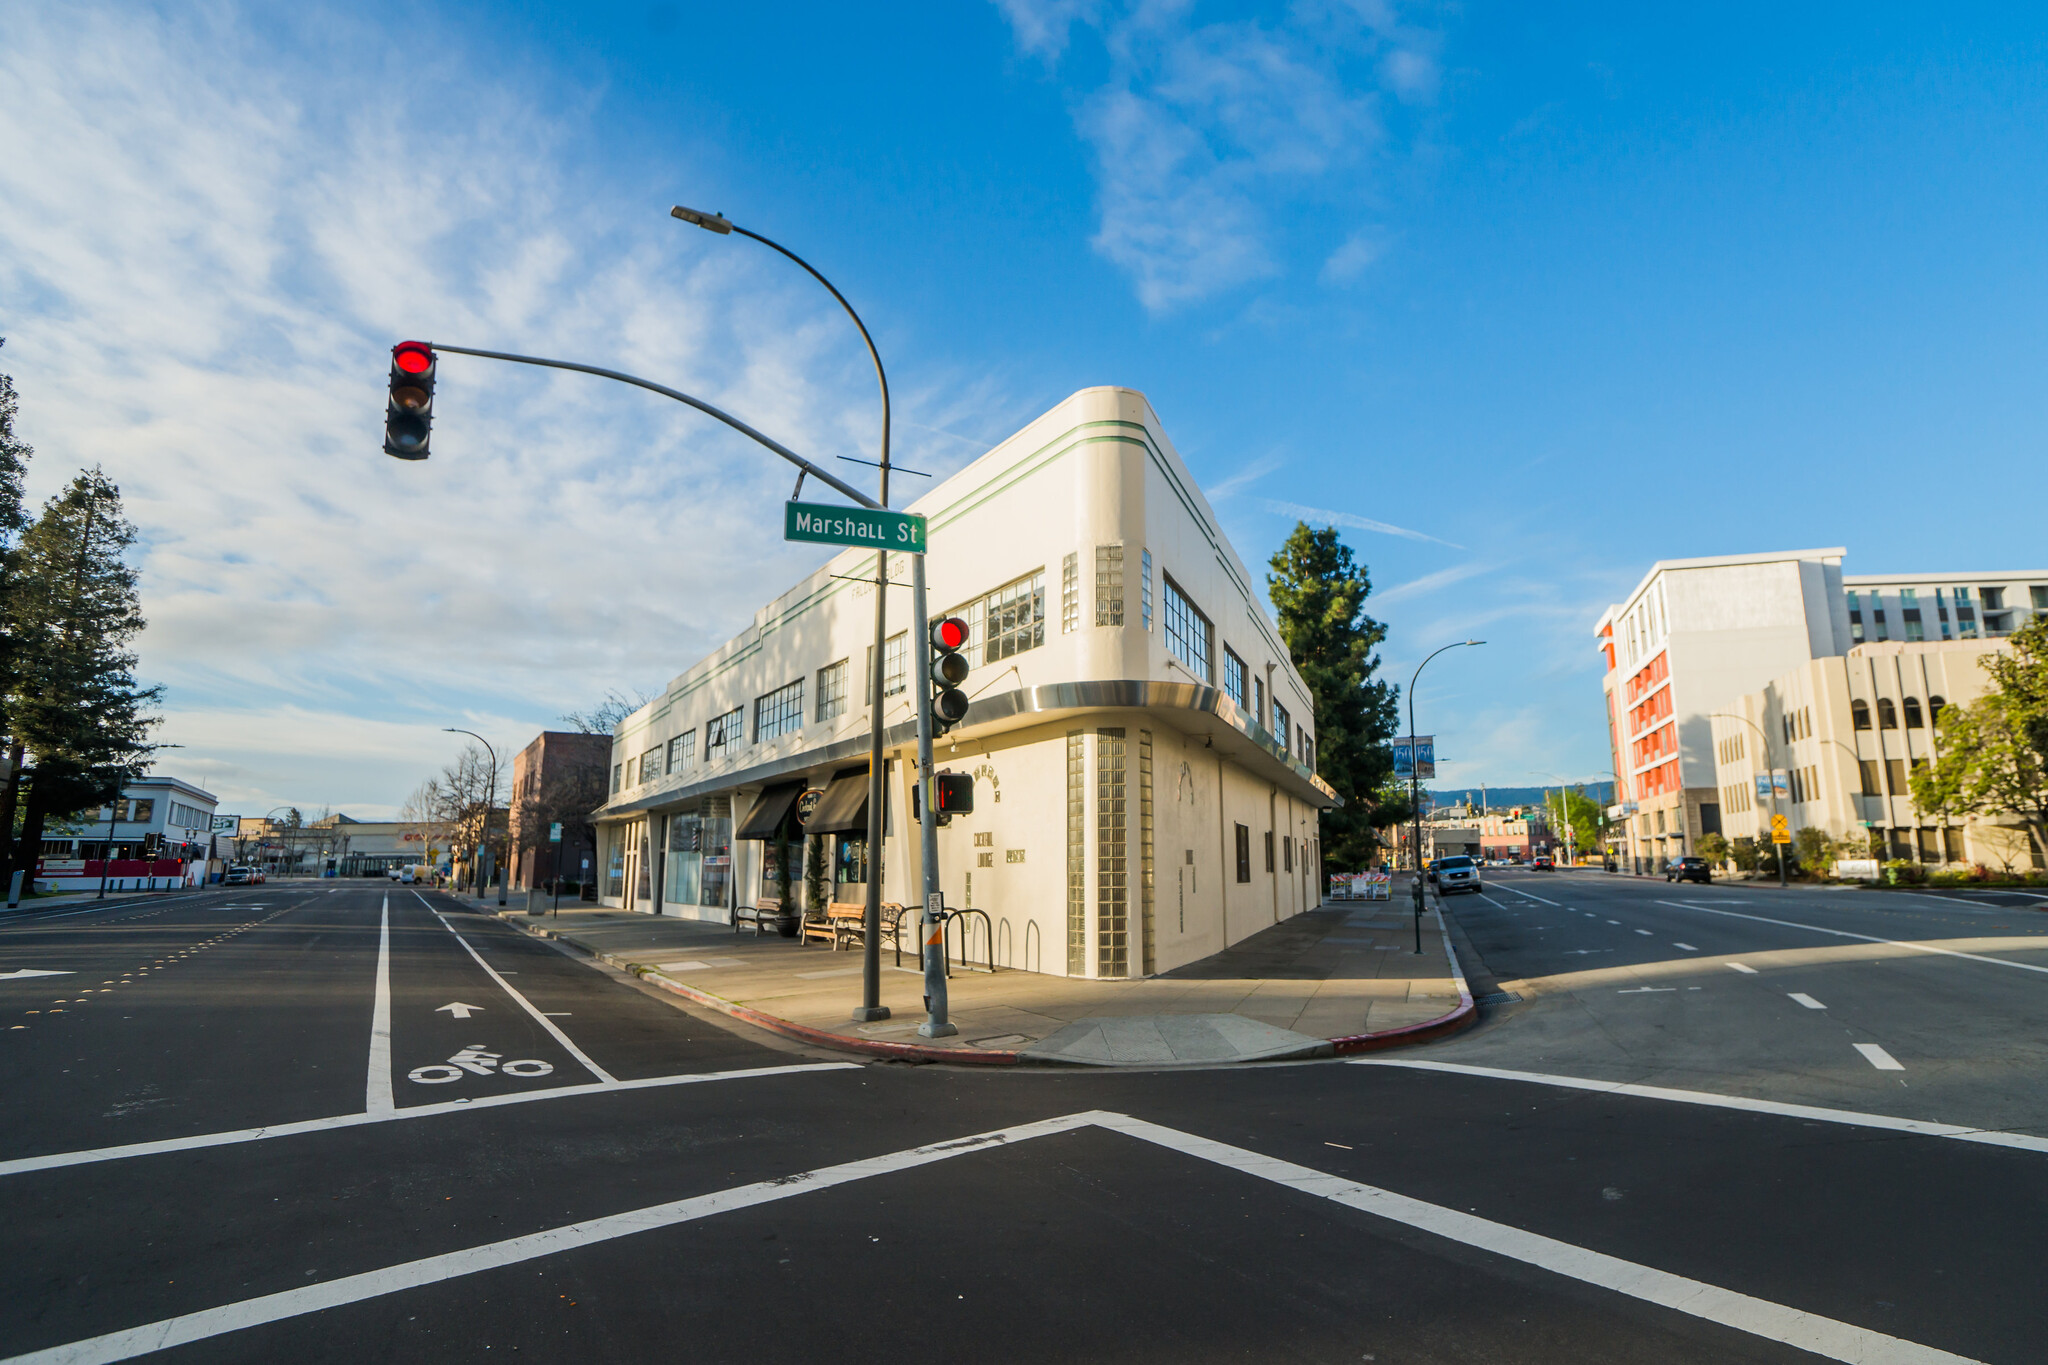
{"x": 1429, "y": 583}
{"x": 1206, "y": 134}
{"x": 1223, "y": 490}
{"x": 1349, "y": 261}
{"x": 1346, "y": 519}
{"x": 208, "y": 242}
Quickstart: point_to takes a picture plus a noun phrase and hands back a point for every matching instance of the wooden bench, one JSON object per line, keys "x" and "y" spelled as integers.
{"x": 762, "y": 914}
{"x": 851, "y": 923}
{"x": 823, "y": 924}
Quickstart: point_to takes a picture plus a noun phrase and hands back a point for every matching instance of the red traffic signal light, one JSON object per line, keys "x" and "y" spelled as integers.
{"x": 409, "y": 412}
{"x": 949, "y": 669}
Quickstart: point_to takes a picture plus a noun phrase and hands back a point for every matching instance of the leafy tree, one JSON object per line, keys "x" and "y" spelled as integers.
{"x": 2021, "y": 677}
{"x": 73, "y": 701}
{"x": 1586, "y": 817}
{"x": 1319, "y": 592}
{"x": 1746, "y": 853}
{"x": 1988, "y": 764}
{"x": 14, "y": 458}
{"x": 1714, "y": 848}
{"x": 1813, "y": 849}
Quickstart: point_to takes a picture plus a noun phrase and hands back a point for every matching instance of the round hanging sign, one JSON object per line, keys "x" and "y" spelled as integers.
{"x": 807, "y": 805}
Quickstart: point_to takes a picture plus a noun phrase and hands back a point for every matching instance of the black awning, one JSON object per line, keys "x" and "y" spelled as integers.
{"x": 766, "y": 816}
{"x": 844, "y": 809}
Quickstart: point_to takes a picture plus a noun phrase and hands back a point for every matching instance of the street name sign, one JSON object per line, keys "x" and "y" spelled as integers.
{"x": 869, "y": 528}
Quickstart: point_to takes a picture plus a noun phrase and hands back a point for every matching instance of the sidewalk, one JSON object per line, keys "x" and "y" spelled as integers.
{"x": 1341, "y": 978}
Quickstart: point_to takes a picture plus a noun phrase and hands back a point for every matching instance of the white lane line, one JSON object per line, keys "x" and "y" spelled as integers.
{"x": 1534, "y": 897}
{"x": 377, "y": 1099}
{"x": 574, "y": 1051}
{"x": 1757, "y": 1317}
{"x": 1878, "y": 1057}
{"x": 1806, "y": 1000}
{"x": 1867, "y": 938}
{"x": 25, "y": 1165}
{"x": 1614, "y": 921}
{"x": 1991, "y": 1137}
{"x": 1687, "y": 946}
{"x": 1742, "y": 967}
{"x": 1645, "y": 933}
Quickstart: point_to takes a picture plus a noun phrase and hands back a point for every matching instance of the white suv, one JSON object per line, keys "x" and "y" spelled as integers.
{"x": 1457, "y": 874}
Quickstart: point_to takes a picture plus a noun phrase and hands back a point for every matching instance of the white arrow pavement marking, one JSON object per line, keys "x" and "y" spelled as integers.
{"x": 30, "y": 971}
{"x": 460, "y": 1010}
{"x": 1822, "y": 1336}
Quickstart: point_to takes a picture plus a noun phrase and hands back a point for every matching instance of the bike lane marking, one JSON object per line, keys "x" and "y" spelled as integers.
{"x": 378, "y": 1099}
{"x": 554, "y": 1029}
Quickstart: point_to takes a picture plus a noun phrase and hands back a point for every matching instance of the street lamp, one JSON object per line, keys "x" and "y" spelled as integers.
{"x": 1772, "y": 773}
{"x": 490, "y": 800}
{"x": 871, "y": 1006}
{"x": 1415, "y": 782}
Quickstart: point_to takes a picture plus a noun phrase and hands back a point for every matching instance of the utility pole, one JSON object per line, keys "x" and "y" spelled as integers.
{"x": 932, "y": 923}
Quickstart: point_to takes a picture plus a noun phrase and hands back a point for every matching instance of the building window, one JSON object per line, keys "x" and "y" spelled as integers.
{"x": 1308, "y": 751}
{"x": 1867, "y": 770}
{"x": 832, "y": 691}
{"x": 618, "y": 771}
{"x": 1077, "y": 853}
{"x": 1013, "y": 618}
{"x": 1070, "y": 594}
{"x": 1913, "y": 713}
{"x": 1145, "y": 590}
{"x": 2039, "y": 596}
{"x": 1145, "y": 871}
{"x": 1244, "y": 853}
{"x": 1112, "y": 857}
{"x": 1859, "y": 714}
{"x": 1895, "y": 774}
{"x": 1966, "y": 615}
{"x": 682, "y": 752}
{"x": 1109, "y": 585}
{"x": 1287, "y": 855}
{"x": 650, "y": 764}
{"x": 1187, "y": 633}
{"x": 1935, "y": 705}
{"x": 895, "y": 660}
{"x": 1992, "y": 599}
{"x": 1269, "y": 850}
{"x": 1280, "y": 724}
{"x": 1233, "y": 676}
{"x": 779, "y": 713}
{"x": 1887, "y": 714}
{"x": 725, "y": 732}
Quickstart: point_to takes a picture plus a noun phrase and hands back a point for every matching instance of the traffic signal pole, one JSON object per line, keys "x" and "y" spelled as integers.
{"x": 931, "y": 923}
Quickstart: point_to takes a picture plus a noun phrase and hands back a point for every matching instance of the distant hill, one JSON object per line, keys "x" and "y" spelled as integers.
{"x": 1498, "y": 797}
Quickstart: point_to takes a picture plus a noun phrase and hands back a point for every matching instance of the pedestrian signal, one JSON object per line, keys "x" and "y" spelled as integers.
{"x": 409, "y": 413}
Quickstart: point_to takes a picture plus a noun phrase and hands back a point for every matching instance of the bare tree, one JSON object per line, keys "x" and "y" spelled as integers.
{"x": 463, "y": 798}
{"x": 604, "y": 718}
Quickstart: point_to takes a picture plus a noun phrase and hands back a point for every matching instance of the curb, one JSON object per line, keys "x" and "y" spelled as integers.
{"x": 1466, "y": 1013}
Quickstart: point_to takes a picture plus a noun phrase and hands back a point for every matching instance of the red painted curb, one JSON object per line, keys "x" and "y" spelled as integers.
{"x": 1466, "y": 1012}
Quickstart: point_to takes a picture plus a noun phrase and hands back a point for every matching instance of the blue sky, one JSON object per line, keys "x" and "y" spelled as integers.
{"x": 1523, "y": 298}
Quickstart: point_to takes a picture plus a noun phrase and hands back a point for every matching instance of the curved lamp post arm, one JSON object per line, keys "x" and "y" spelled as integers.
{"x": 811, "y": 470}
{"x": 1415, "y": 780}
{"x": 483, "y": 837}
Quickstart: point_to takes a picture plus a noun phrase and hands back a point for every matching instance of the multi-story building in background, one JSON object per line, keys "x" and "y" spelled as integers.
{"x": 557, "y": 779}
{"x": 155, "y": 836}
{"x": 1696, "y": 636}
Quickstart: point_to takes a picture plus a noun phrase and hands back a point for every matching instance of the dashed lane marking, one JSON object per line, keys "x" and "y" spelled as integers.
{"x": 1806, "y": 1000}
{"x": 1878, "y": 1057}
{"x": 1757, "y": 1317}
{"x": 1866, "y": 938}
{"x": 1687, "y": 946}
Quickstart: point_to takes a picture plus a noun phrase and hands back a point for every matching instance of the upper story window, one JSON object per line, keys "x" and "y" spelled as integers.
{"x": 1109, "y": 585}
{"x": 618, "y": 770}
{"x": 1188, "y": 633}
{"x": 2039, "y": 596}
{"x": 1992, "y": 598}
{"x": 1859, "y": 714}
{"x": 1234, "y": 677}
{"x": 1913, "y": 713}
{"x": 682, "y": 752}
{"x": 1887, "y": 714}
{"x": 722, "y": 734}
{"x": 780, "y": 712}
{"x": 832, "y": 691}
{"x": 1935, "y": 705}
{"x": 650, "y": 764}
{"x": 1280, "y": 724}
{"x": 1070, "y": 594}
{"x": 1013, "y": 618}
{"x": 1145, "y": 590}
{"x": 1258, "y": 699}
{"x": 895, "y": 663}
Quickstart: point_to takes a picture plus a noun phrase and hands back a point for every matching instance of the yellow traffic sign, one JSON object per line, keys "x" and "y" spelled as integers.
{"x": 1779, "y": 833}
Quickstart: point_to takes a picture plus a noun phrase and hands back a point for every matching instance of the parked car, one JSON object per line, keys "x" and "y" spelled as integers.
{"x": 235, "y": 876}
{"x": 1457, "y": 874}
{"x": 1688, "y": 870}
{"x": 1544, "y": 863}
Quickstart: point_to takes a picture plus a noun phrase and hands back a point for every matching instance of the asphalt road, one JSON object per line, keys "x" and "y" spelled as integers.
{"x": 225, "y": 1141}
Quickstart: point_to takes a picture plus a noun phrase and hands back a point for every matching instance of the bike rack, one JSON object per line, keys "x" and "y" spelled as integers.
{"x": 988, "y": 931}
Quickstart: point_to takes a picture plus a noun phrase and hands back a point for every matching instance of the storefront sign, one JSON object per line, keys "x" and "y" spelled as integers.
{"x": 807, "y": 805}
{"x": 875, "y": 528}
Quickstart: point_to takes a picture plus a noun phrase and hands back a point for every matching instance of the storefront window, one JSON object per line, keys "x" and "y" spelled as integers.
{"x": 851, "y": 865}
{"x": 715, "y": 838}
{"x": 615, "y": 861}
{"x": 684, "y": 872}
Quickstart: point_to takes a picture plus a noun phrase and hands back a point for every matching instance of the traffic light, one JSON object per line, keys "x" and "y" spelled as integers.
{"x": 409, "y": 415}
{"x": 949, "y": 670}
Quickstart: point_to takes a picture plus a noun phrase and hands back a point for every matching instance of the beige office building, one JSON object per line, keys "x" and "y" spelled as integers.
{"x": 1141, "y": 748}
{"x": 1848, "y": 732}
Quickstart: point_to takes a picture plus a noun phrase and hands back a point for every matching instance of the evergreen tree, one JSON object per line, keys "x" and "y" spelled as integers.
{"x": 14, "y": 458}
{"x": 1319, "y": 592}
{"x": 73, "y": 701}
